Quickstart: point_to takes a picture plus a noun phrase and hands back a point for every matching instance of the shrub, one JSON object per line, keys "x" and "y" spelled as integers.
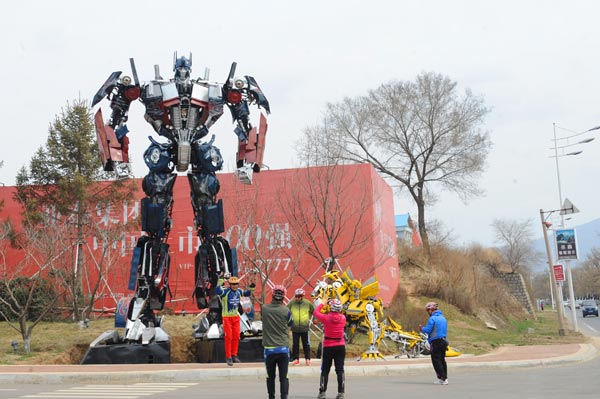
{"x": 17, "y": 291}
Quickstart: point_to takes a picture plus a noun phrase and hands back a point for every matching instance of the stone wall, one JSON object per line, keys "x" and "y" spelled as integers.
{"x": 518, "y": 289}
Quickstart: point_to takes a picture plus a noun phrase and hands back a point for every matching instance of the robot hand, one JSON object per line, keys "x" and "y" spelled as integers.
{"x": 226, "y": 276}
{"x": 245, "y": 172}
{"x": 122, "y": 170}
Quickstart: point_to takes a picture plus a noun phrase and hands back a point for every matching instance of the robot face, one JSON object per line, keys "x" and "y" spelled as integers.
{"x": 182, "y": 68}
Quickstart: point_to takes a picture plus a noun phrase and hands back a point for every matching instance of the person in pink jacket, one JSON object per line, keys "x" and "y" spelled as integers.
{"x": 334, "y": 345}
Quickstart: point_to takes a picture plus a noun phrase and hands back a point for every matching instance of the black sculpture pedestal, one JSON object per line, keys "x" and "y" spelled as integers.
{"x": 106, "y": 349}
{"x": 156, "y": 352}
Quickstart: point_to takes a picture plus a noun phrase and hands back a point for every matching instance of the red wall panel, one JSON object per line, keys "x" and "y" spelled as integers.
{"x": 255, "y": 217}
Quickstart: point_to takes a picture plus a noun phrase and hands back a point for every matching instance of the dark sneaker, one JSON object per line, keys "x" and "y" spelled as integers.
{"x": 236, "y": 359}
{"x": 229, "y": 361}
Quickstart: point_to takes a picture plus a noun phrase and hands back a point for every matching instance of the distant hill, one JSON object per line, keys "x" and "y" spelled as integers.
{"x": 588, "y": 236}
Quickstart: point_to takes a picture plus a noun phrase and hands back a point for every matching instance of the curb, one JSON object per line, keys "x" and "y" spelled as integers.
{"x": 365, "y": 368}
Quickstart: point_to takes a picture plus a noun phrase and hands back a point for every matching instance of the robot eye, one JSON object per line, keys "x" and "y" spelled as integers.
{"x": 155, "y": 155}
{"x": 126, "y": 80}
{"x": 239, "y": 83}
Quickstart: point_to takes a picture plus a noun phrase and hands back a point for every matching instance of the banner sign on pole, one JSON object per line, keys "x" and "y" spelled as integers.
{"x": 566, "y": 244}
{"x": 559, "y": 273}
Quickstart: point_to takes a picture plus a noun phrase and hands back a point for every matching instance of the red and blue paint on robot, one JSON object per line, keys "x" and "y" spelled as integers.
{"x": 181, "y": 110}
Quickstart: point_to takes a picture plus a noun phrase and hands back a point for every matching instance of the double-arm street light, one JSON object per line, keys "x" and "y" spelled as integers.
{"x": 564, "y": 144}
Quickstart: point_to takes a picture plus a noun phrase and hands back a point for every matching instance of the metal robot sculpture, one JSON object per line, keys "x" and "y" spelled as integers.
{"x": 364, "y": 312}
{"x": 181, "y": 110}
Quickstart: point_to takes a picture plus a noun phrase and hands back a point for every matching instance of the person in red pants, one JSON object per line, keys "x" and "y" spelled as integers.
{"x": 230, "y": 302}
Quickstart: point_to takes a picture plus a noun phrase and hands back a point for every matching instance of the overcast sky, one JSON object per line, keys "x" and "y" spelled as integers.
{"x": 535, "y": 63}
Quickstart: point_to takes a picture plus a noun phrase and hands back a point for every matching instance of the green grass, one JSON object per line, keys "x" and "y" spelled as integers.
{"x": 65, "y": 343}
{"x": 472, "y": 336}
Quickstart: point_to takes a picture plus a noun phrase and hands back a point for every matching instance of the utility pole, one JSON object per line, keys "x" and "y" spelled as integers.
{"x": 559, "y": 307}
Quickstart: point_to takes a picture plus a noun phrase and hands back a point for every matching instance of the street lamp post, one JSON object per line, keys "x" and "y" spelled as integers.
{"x": 559, "y": 307}
{"x": 560, "y": 199}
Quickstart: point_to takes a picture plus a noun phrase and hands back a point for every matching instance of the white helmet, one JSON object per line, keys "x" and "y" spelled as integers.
{"x": 335, "y": 305}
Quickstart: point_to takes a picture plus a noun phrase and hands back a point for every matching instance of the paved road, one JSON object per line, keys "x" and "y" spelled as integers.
{"x": 589, "y": 325}
{"x": 548, "y": 371}
{"x": 509, "y": 356}
{"x": 572, "y": 380}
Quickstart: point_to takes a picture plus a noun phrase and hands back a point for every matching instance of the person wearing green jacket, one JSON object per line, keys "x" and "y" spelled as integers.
{"x": 276, "y": 319}
{"x": 302, "y": 311}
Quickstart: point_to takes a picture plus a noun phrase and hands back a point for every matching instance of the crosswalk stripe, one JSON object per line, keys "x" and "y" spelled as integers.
{"x": 124, "y": 390}
{"x": 95, "y": 396}
{"x": 112, "y": 391}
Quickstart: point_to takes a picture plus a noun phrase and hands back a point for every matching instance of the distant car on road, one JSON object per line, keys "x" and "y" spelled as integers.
{"x": 567, "y": 304}
{"x": 589, "y": 307}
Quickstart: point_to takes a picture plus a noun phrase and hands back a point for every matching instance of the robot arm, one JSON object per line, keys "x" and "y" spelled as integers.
{"x": 112, "y": 140}
{"x": 239, "y": 94}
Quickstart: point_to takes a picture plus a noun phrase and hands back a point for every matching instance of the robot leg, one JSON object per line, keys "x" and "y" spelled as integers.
{"x": 214, "y": 254}
{"x": 150, "y": 263}
{"x": 214, "y": 258}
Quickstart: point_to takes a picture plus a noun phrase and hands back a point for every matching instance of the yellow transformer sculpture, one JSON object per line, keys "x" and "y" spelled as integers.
{"x": 364, "y": 312}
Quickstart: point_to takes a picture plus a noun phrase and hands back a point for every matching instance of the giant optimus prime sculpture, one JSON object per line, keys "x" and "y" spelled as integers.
{"x": 181, "y": 110}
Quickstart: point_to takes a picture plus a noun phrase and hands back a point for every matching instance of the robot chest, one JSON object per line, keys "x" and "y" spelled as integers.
{"x": 167, "y": 100}
{"x": 194, "y": 95}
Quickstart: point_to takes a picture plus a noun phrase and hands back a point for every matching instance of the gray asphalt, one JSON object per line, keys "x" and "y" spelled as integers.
{"x": 505, "y": 357}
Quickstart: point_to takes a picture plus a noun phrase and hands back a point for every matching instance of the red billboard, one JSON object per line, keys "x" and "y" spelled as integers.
{"x": 281, "y": 226}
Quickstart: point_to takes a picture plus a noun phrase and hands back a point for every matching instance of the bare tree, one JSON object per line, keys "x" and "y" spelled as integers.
{"x": 418, "y": 134}
{"x": 262, "y": 241}
{"x": 541, "y": 285}
{"x": 516, "y": 243}
{"x": 586, "y": 277}
{"x": 29, "y": 284}
{"x": 105, "y": 246}
{"x": 328, "y": 211}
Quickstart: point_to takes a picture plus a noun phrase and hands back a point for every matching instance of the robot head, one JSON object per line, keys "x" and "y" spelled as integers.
{"x": 182, "y": 67}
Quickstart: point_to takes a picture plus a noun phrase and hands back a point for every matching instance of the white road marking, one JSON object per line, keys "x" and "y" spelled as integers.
{"x": 132, "y": 391}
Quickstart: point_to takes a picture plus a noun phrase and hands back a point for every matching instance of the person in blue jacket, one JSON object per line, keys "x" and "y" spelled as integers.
{"x": 437, "y": 328}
